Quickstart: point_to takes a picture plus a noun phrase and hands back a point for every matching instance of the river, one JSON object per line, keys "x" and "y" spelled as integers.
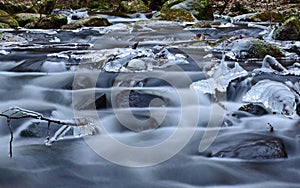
{"x": 155, "y": 117}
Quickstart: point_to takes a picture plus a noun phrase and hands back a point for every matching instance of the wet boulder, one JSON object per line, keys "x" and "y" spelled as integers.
{"x": 134, "y": 6}
{"x": 254, "y": 149}
{"x": 267, "y": 16}
{"x": 201, "y": 24}
{"x": 93, "y": 21}
{"x": 47, "y": 6}
{"x": 255, "y": 109}
{"x": 52, "y": 22}
{"x": 7, "y": 19}
{"x": 245, "y": 48}
{"x": 4, "y": 26}
{"x": 178, "y": 15}
{"x": 13, "y": 7}
{"x": 96, "y": 21}
{"x": 26, "y": 18}
{"x": 290, "y": 30}
{"x": 201, "y": 9}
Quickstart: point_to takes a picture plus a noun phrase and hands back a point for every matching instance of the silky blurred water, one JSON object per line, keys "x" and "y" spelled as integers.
{"x": 44, "y": 77}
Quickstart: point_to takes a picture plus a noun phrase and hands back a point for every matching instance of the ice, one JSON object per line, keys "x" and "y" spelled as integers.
{"x": 275, "y": 96}
{"x": 220, "y": 78}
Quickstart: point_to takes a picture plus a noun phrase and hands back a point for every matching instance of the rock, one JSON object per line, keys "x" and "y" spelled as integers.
{"x": 39, "y": 130}
{"x": 201, "y": 24}
{"x": 6, "y": 18}
{"x": 93, "y": 21}
{"x": 47, "y": 6}
{"x": 52, "y": 22}
{"x": 96, "y": 21}
{"x": 255, "y": 109}
{"x": 7, "y": 37}
{"x": 268, "y": 16}
{"x": 4, "y": 26}
{"x": 13, "y": 7}
{"x": 271, "y": 148}
{"x": 88, "y": 103}
{"x": 245, "y": 48}
{"x": 134, "y": 6}
{"x": 174, "y": 15}
{"x": 290, "y": 30}
{"x": 25, "y": 18}
{"x": 201, "y": 9}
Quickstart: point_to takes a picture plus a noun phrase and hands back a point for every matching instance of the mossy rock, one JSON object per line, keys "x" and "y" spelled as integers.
{"x": 25, "y": 18}
{"x": 96, "y": 21}
{"x": 6, "y": 18}
{"x": 245, "y": 48}
{"x": 170, "y": 3}
{"x": 16, "y": 6}
{"x": 201, "y": 9}
{"x": 290, "y": 30}
{"x": 47, "y": 6}
{"x": 4, "y": 26}
{"x": 93, "y": 21}
{"x": 201, "y": 24}
{"x": 52, "y": 22}
{"x": 261, "y": 48}
{"x": 134, "y": 6}
{"x": 174, "y": 15}
{"x": 266, "y": 17}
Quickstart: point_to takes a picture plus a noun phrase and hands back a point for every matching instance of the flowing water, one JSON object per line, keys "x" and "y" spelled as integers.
{"x": 167, "y": 113}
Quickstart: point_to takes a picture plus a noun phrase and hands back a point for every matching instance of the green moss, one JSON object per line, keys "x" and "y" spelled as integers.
{"x": 3, "y": 26}
{"x": 170, "y": 3}
{"x": 52, "y": 22}
{"x": 25, "y": 18}
{"x": 6, "y": 18}
{"x": 293, "y": 21}
{"x": 137, "y": 6}
{"x": 260, "y": 49}
{"x": 201, "y": 9}
{"x": 290, "y": 30}
{"x": 13, "y": 7}
{"x": 174, "y": 15}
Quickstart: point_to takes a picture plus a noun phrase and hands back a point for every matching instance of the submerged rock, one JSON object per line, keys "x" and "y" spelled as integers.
{"x": 272, "y": 148}
{"x": 201, "y": 9}
{"x": 290, "y": 30}
{"x": 7, "y": 37}
{"x": 7, "y": 19}
{"x": 174, "y": 15}
{"x": 245, "y": 48}
{"x": 52, "y": 22}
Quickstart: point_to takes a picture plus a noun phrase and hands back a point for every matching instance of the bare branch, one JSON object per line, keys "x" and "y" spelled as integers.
{"x": 66, "y": 125}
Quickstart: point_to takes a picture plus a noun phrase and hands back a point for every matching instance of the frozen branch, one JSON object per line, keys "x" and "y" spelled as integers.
{"x": 84, "y": 126}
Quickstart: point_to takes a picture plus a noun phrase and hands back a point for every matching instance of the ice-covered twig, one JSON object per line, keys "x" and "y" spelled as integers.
{"x": 84, "y": 126}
